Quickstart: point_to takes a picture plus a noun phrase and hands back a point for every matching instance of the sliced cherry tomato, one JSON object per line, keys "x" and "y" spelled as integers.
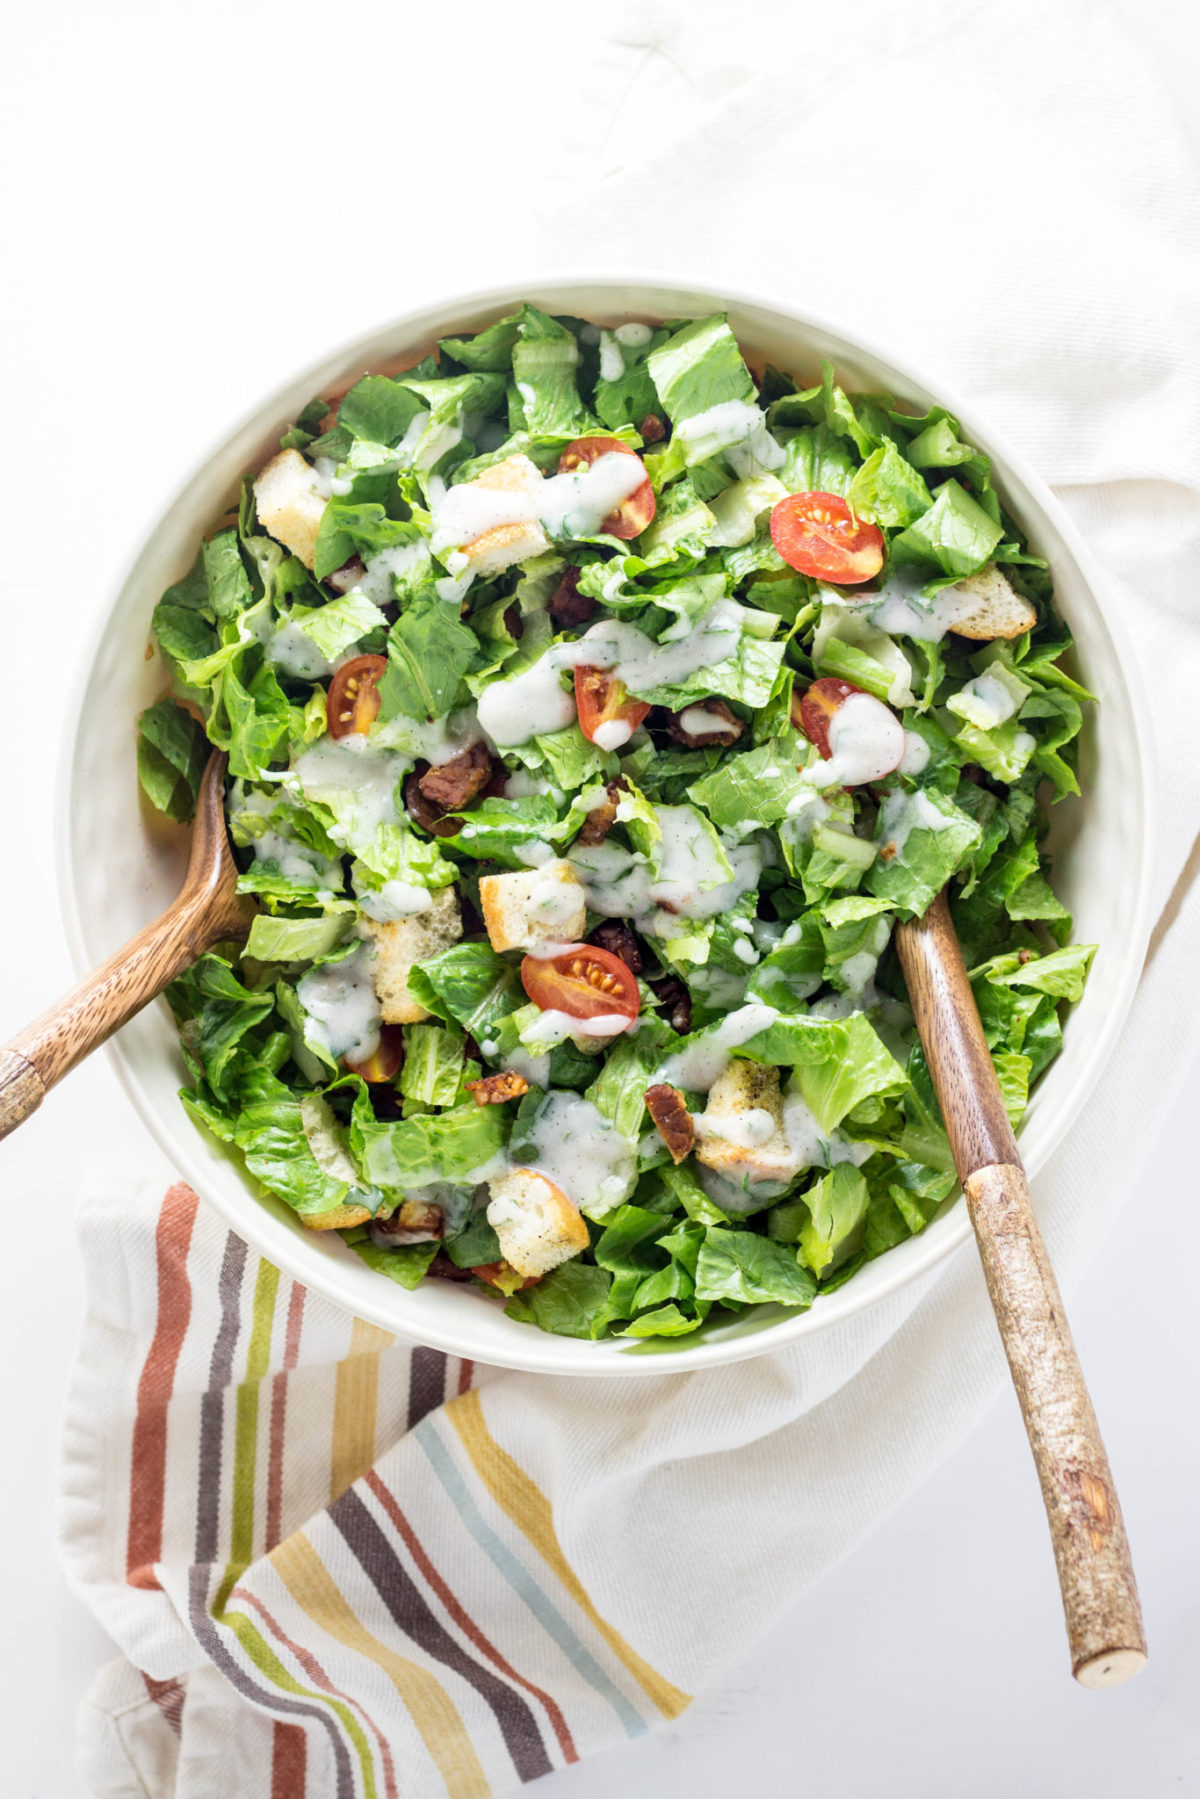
{"x": 384, "y": 1065}
{"x": 584, "y": 982}
{"x": 605, "y": 709}
{"x": 503, "y": 1277}
{"x": 813, "y": 712}
{"x": 818, "y": 534}
{"x": 352, "y": 703}
{"x": 634, "y": 513}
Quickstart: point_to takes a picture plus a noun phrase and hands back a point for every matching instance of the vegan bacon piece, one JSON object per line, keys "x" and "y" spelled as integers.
{"x": 618, "y": 939}
{"x": 454, "y": 784}
{"x": 494, "y": 1089}
{"x": 416, "y": 1221}
{"x": 725, "y": 726}
{"x": 601, "y": 819}
{"x": 568, "y": 607}
{"x": 424, "y": 811}
{"x": 672, "y": 1119}
{"x": 652, "y": 429}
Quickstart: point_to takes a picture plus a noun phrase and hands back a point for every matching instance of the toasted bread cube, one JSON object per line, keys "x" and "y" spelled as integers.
{"x": 403, "y": 945}
{"x": 503, "y": 545}
{"x": 531, "y": 906}
{"x": 1000, "y": 611}
{"x": 535, "y": 1223}
{"x": 740, "y": 1132}
{"x": 339, "y": 1219}
{"x": 289, "y": 501}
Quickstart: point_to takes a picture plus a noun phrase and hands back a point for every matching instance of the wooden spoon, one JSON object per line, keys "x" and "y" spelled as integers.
{"x": 1100, "y": 1596}
{"x": 208, "y": 910}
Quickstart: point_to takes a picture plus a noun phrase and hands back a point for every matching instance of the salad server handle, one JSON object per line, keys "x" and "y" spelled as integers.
{"x": 207, "y": 910}
{"x": 1099, "y": 1591}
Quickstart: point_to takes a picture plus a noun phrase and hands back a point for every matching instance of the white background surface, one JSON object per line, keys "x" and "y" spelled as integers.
{"x": 199, "y": 201}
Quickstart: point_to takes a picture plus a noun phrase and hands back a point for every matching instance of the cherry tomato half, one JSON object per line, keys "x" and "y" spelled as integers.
{"x": 818, "y": 534}
{"x": 606, "y": 715}
{"x": 634, "y": 513}
{"x": 584, "y": 982}
{"x": 384, "y": 1065}
{"x": 352, "y": 703}
{"x": 502, "y": 1277}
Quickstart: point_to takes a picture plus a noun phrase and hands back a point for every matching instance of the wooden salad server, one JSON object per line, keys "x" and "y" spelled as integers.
{"x": 1100, "y": 1596}
{"x": 209, "y": 909}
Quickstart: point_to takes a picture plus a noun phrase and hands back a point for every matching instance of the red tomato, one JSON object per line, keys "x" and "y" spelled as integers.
{"x": 601, "y": 700}
{"x": 817, "y": 707}
{"x": 633, "y": 514}
{"x": 584, "y": 982}
{"x": 818, "y": 534}
{"x": 352, "y": 703}
{"x": 384, "y": 1065}
{"x": 503, "y": 1277}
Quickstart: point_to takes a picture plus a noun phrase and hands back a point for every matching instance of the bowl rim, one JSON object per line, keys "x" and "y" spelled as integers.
{"x": 934, "y": 1249}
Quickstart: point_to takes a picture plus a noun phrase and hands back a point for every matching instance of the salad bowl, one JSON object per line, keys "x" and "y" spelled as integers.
{"x": 120, "y": 865}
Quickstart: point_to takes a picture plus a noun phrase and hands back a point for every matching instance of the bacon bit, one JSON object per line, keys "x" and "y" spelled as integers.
{"x": 494, "y": 1089}
{"x": 423, "y": 811}
{"x": 568, "y": 607}
{"x": 727, "y": 732}
{"x": 456, "y": 783}
{"x": 675, "y": 1002}
{"x": 887, "y": 852}
{"x": 653, "y": 430}
{"x": 449, "y": 1271}
{"x": 672, "y": 1119}
{"x": 348, "y": 576}
{"x": 601, "y": 819}
{"x": 1024, "y": 956}
{"x": 514, "y": 624}
{"x": 416, "y": 1221}
{"x": 618, "y": 939}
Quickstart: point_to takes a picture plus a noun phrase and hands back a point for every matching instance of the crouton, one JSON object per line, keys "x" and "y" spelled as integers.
{"x": 403, "y": 945}
{"x": 290, "y": 503}
{"x": 740, "y": 1132}
{"x": 532, "y": 906}
{"x": 339, "y": 1219}
{"x": 535, "y": 1223}
{"x": 999, "y": 611}
{"x": 503, "y": 545}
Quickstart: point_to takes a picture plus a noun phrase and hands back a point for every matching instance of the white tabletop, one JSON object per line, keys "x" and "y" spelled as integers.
{"x": 184, "y": 238}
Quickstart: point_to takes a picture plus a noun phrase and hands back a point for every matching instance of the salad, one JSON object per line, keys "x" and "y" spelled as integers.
{"x": 594, "y": 706}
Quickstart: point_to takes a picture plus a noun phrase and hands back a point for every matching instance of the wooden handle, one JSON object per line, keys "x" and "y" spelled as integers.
{"x": 208, "y": 910}
{"x": 103, "y": 1001}
{"x": 1100, "y": 1596}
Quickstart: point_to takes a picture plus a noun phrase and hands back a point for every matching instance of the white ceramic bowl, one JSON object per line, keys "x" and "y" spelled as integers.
{"x": 119, "y": 867}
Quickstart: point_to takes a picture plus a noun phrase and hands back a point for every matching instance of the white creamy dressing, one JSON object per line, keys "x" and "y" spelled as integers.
{"x": 573, "y": 504}
{"x": 377, "y": 584}
{"x": 578, "y": 1149}
{"x": 686, "y": 879}
{"x": 296, "y": 862}
{"x": 866, "y": 741}
{"x": 555, "y": 1027}
{"x": 737, "y": 429}
{"x": 340, "y": 1006}
{"x": 701, "y": 723}
{"x": 701, "y": 1063}
{"x": 903, "y": 812}
{"x": 916, "y": 754}
{"x": 536, "y": 1069}
{"x": 432, "y": 740}
{"x": 534, "y": 702}
{"x": 522, "y": 785}
{"x": 327, "y": 481}
{"x": 356, "y": 779}
{"x": 634, "y": 334}
{"x": 296, "y": 654}
{"x": 612, "y": 363}
{"x": 530, "y": 855}
{"x": 899, "y": 608}
{"x": 551, "y": 900}
{"x": 395, "y": 899}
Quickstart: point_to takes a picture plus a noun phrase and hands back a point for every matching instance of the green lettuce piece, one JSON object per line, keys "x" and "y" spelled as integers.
{"x": 858, "y": 1068}
{"x": 740, "y": 1267}
{"x": 433, "y": 1063}
{"x": 171, "y": 753}
{"x": 619, "y": 1089}
{"x": 339, "y": 623}
{"x": 887, "y": 489}
{"x": 429, "y": 652}
{"x": 698, "y": 367}
{"x": 632, "y": 394}
{"x": 571, "y": 1301}
{"x": 271, "y": 1136}
{"x": 282, "y": 939}
{"x": 1003, "y": 750}
{"x": 837, "y": 1215}
{"x": 225, "y": 575}
{"x": 218, "y": 1011}
{"x": 407, "y": 1264}
{"x": 446, "y": 1146}
{"x": 470, "y": 984}
{"x": 793, "y": 971}
{"x": 1062, "y": 973}
{"x": 544, "y": 359}
{"x": 355, "y": 528}
{"x": 487, "y": 350}
{"x": 924, "y": 858}
{"x": 666, "y": 1321}
{"x": 817, "y": 461}
{"x": 252, "y": 717}
{"x": 744, "y": 793}
{"x": 629, "y": 1239}
{"x": 378, "y": 409}
{"x": 956, "y": 534}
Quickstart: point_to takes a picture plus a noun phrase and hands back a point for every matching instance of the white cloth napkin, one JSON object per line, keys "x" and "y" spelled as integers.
{"x": 999, "y": 191}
